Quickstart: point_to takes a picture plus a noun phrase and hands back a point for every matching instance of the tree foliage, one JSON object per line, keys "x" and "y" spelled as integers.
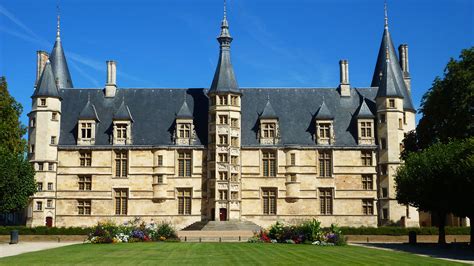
{"x": 17, "y": 181}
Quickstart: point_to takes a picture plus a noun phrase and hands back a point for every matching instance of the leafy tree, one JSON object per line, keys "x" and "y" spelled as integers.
{"x": 17, "y": 181}
{"x": 437, "y": 179}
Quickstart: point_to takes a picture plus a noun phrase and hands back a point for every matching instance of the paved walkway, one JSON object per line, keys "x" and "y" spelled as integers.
{"x": 24, "y": 247}
{"x": 453, "y": 252}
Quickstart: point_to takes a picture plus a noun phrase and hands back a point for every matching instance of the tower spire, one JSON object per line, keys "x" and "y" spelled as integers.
{"x": 58, "y": 27}
{"x": 224, "y": 38}
{"x": 386, "y": 14}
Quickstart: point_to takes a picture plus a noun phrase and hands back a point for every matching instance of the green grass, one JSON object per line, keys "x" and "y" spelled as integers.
{"x": 216, "y": 253}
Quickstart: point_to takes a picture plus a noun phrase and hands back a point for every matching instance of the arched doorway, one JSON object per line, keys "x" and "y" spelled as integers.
{"x": 49, "y": 221}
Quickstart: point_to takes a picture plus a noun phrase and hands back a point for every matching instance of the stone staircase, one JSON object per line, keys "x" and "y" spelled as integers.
{"x": 217, "y": 231}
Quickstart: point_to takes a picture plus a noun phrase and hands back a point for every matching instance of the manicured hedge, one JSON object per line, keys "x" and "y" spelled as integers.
{"x": 399, "y": 231}
{"x": 43, "y": 230}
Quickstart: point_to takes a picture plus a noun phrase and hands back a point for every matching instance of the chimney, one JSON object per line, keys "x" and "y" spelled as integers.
{"x": 111, "y": 83}
{"x": 403, "y": 54}
{"x": 344, "y": 86}
{"x": 41, "y": 59}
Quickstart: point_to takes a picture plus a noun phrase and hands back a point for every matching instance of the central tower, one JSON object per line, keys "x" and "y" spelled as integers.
{"x": 223, "y": 176}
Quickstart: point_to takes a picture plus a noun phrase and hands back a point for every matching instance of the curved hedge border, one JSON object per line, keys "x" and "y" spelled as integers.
{"x": 388, "y": 230}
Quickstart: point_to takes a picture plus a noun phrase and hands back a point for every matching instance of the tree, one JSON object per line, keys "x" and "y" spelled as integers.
{"x": 17, "y": 181}
{"x": 439, "y": 179}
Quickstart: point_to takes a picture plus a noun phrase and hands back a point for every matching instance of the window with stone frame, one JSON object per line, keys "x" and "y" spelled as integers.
{"x": 234, "y": 160}
{"x": 86, "y": 130}
{"x": 40, "y": 166}
{"x": 223, "y": 158}
{"x": 234, "y": 195}
{"x": 223, "y": 119}
{"x": 269, "y": 201}
{"x": 184, "y": 163}
{"x": 324, "y": 130}
{"x": 223, "y": 175}
{"x": 382, "y": 118}
{"x": 121, "y": 131}
{"x": 223, "y": 100}
{"x": 85, "y": 158}
{"x": 223, "y": 194}
{"x": 234, "y": 142}
{"x": 383, "y": 143}
{"x": 268, "y": 130}
{"x": 121, "y": 164}
{"x": 39, "y": 205}
{"x": 325, "y": 163}
{"x": 383, "y": 169}
{"x": 84, "y": 207}
{"x": 50, "y": 186}
{"x": 234, "y": 122}
{"x": 184, "y": 130}
{"x": 223, "y": 139}
{"x": 32, "y": 148}
{"x": 384, "y": 192}
{"x": 234, "y": 100}
{"x": 160, "y": 160}
{"x": 366, "y": 129}
{"x": 50, "y": 166}
{"x": 121, "y": 201}
{"x": 85, "y": 182}
{"x": 53, "y": 140}
{"x": 325, "y": 201}
{"x": 367, "y": 182}
{"x": 368, "y": 206}
{"x": 54, "y": 116}
{"x": 385, "y": 214}
{"x": 49, "y": 203}
{"x": 391, "y": 103}
{"x": 39, "y": 186}
{"x": 269, "y": 163}
{"x": 234, "y": 177}
{"x": 184, "y": 201}
{"x": 366, "y": 157}
{"x": 32, "y": 122}
{"x": 159, "y": 179}
{"x": 292, "y": 159}
{"x": 42, "y": 102}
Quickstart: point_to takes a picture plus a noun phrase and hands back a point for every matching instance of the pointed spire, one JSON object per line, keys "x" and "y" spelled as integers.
{"x": 89, "y": 111}
{"x": 184, "y": 112}
{"x": 123, "y": 113}
{"x": 386, "y": 14}
{"x": 58, "y": 59}
{"x": 46, "y": 86}
{"x": 364, "y": 110}
{"x": 268, "y": 112}
{"x": 224, "y": 77}
{"x": 324, "y": 112}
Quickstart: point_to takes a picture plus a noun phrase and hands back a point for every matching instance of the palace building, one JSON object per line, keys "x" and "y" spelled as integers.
{"x": 220, "y": 153}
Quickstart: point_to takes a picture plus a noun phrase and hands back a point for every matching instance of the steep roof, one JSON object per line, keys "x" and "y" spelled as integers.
{"x": 184, "y": 111}
{"x": 364, "y": 110}
{"x": 268, "y": 111}
{"x": 388, "y": 75}
{"x": 46, "y": 84}
{"x": 224, "y": 77}
{"x": 324, "y": 112}
{"x": 89, "y": 112}
{"x": 59, "y": 64}
{"x": 123, "y": 113}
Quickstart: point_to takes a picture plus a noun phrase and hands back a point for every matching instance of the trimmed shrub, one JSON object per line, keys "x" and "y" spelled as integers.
{"x": 400, "y": 231}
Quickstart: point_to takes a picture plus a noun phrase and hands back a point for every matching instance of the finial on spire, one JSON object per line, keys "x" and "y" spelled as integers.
{"x": 58, "y": 29}
{"x": 386, "y": 14}
{"x": 224, "y": 38}
{"x": 225, "y": 9}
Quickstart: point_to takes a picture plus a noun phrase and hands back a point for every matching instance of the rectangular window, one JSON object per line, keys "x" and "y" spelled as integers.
{"x": 223, "y": 175}
{"x": 234, "y": 122}
{"x": 223, "y": 158}
{"x": 39, "y": 205}
{"x": 384, "y": 192}
{"x": 86, "y": 130}
{"x": 159, "y": 179}
{"x": 39, "y": 186}
{"x": 184, "y": 201}
{"x": 269, "y": 164}
{"x": 32, "y": 150}
{"x": 234, "y": 100}
{"x": 325, "y": 199}
{"x": 160, "y": 160}
{"x": 86, "y": 158}
{"x": 268, "y": 130}
{"x": 293, "y": 159}
{"x": 325, "y": 164}
{"x": 269, "y": 198}
{"x": 184, "y": 130}
{"x": 404, "y": 118}
{"x": 84, "y": 207}
{"x": 85, "y": 182}
{"x": 234, "y": 160}
{"x": 391, "y": 103}
{"x": 54, "y": 116}
{"x": 121, "y": 201}
{"x": 368, "y": 207}
{"x": 383, "y": 169}
{"x": 366, "y": 129}
{"x": 121, "y": 164}
{"x": 184, "y": 164}
{"x": 49, "y": 203}
{"x": 42, "y": 102}
{"x": 382, "y": 118}
{"x": 234, "y": 177}
{"x": 383, "y": 143}
{"x": 367, "y": 182}
{"x": 50, "y": 166}
{"x": 40, "y": 166}
{"x": 234, "y": 195}
{"x": 223, "y": 100}
{"x": 53, "y": 140}
{"x": 293, "y": 177}
{"x": 234, "y": 142}
{"x": 223, "y": 194}
{"x": 324, "y": 130}
{"x": 50, "y": 186}
{"x": 385, "y": 213}
{"x": 223, "y": 139}
{"x": 366, "y": 157}
{"x": 33, "y": 122}
{"x": 121, "y": 131}
{"x": 223, "y": 120}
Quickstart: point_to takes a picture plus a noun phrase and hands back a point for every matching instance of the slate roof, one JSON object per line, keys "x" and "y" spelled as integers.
{"x": 123, "y": 113}
{"x": 184, "y": 111}
{"x": 59, "y": 64}
{"x": 323, "y": 112}
{"x": 89, "y": 112}
{"x": 46, "y": 84}
{"x": 364, "y": 110}
{"x": 392, "y": 83}
{"x": 154, "y": 113}
{"x": 268, "y": 111}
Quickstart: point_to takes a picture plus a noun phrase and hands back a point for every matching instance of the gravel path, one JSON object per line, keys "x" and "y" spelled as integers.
{"x": 24, "y": 247}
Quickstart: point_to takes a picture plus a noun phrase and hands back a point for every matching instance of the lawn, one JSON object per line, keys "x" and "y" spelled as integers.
{"x": 216, "y": 253}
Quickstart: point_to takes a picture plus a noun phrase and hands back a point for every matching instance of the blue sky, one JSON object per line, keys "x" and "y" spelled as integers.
{"x": 277, "y": 43}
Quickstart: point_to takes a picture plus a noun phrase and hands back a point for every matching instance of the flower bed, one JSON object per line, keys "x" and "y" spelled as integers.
{"x": 133, "y": 231}
{"x": 309, "y": 232}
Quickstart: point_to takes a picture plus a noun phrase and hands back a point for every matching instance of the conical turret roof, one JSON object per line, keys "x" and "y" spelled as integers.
{"x": 59, "y": 63}
{"x": 46, "y": 86}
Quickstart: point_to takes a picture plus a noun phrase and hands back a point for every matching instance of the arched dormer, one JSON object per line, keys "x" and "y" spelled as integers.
{"x": 87, "y": 124}
{"x": 122, "y": 126}
{"x": 184, "y": 133}
{"x": 269, "y": 131}
{"x": 324, "y": 125}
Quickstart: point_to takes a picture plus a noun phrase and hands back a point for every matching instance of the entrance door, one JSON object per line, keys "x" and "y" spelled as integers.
{"x": 49, "y": 221}
{"x": 223, "y": 214}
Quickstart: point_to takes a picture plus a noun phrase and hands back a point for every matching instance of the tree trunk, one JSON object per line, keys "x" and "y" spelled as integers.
{"x": 441, "y": 225}
{"x": 471, "y": 219}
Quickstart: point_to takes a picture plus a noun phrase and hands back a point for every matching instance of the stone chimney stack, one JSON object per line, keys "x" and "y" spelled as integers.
{"x": 403, "y": 54}
{"x": 344, "y": 86}
{"x": 41, "y": 59}
{"x": 111, "y": 83}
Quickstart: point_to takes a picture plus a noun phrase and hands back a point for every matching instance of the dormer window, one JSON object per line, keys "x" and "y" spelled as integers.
{"x": 268, "y": 130}
{"x": 87, "y": 125}
{"x": 122, "y": 126}
{"x": 365, "y": 124}
{"x": 184, "y": 132}
{"x": 324, "y": 125}
{"x": 86, "y": 131}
